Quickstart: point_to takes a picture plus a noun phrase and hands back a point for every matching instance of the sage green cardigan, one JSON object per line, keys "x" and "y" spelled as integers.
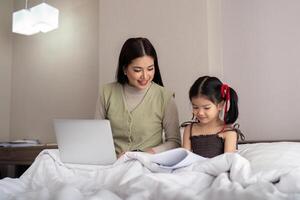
{"x": 142, "y": 127}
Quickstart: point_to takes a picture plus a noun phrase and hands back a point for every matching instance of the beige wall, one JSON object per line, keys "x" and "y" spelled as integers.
{"x": 214, "y": 27}
{"x": 55, "y": 75}
{"x": 261, "y": 59}
{"x": 252, "y": 45}
{"x": 179, "y": 32}
{"x": 5, "y": 67}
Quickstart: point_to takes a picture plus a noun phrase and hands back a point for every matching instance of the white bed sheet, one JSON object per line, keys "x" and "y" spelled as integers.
{"x": 270, "y": 156}
{"x": 134, "y": 176}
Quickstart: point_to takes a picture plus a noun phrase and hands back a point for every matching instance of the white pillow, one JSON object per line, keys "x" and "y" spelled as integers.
{"x": 268, "y": 156}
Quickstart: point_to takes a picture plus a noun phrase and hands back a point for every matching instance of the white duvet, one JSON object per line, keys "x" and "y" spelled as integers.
{"x": 137, "y": 176}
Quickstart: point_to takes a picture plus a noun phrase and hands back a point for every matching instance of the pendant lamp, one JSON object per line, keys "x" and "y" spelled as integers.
{"x": 40, "y": 18}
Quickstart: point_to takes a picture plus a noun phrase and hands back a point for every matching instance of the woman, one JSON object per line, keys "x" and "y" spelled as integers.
{"x": 138, "y": 106}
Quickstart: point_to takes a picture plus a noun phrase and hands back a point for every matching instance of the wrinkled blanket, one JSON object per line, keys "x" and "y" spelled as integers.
{"x": 135, "y": 176}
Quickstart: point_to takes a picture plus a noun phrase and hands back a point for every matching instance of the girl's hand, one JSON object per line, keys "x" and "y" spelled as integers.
{"x": 230, "y": 141}
{"x": 186, "y": 138}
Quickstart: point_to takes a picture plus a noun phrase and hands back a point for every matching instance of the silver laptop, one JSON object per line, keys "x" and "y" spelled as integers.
{"x": 85, "y": 141}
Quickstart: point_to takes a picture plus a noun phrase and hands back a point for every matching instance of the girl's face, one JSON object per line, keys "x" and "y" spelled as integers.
{"x": 140, "y": 72}
{"x": 205, "y": 110}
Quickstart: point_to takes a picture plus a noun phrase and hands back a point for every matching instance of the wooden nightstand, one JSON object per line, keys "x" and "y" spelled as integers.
{"x": 15, "y": 160}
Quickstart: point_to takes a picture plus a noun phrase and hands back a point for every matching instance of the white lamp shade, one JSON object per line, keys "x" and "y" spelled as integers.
{"x": 23, "y": 22}
{"x": 46, "y": 17}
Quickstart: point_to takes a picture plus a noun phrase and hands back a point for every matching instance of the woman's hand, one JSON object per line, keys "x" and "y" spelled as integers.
{"x": 150, "y": 150}
{"x": 121, "y": 154}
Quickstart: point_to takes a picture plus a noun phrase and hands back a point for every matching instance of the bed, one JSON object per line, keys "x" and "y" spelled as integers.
{"x": 257, "y": 171}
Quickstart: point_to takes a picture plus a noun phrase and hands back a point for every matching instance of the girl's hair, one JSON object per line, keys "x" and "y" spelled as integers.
{"x": 213, "y": 89}
{"x": 134, "y": 48}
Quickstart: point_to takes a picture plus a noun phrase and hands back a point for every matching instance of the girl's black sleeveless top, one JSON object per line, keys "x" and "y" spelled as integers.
{"x": 211, "y": 145}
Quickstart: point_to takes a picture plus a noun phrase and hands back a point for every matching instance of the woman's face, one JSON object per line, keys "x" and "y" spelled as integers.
{"x": 140, "y": 72}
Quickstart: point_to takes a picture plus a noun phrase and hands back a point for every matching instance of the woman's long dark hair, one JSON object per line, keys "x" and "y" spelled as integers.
{"x": 211, "y": 87}
{"x": 134, "y": 48}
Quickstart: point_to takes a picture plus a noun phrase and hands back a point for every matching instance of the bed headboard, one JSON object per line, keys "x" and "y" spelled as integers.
{"x": 265, "y": 141}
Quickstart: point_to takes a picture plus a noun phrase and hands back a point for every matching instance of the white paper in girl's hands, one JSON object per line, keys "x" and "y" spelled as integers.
{"x": 168, "y": 160}
{"x": 176, "y": 158}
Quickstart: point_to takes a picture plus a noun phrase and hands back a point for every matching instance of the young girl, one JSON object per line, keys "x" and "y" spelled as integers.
{"x": 207, "y": 135}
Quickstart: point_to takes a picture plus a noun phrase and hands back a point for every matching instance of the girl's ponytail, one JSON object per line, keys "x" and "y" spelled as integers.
{"x": 231, "y": 115}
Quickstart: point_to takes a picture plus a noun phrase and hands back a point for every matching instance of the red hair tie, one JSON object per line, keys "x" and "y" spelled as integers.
{"x": 225, "y": 93}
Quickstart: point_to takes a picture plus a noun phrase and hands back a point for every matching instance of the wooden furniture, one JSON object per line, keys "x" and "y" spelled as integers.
{"x": 15, "y": 160}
